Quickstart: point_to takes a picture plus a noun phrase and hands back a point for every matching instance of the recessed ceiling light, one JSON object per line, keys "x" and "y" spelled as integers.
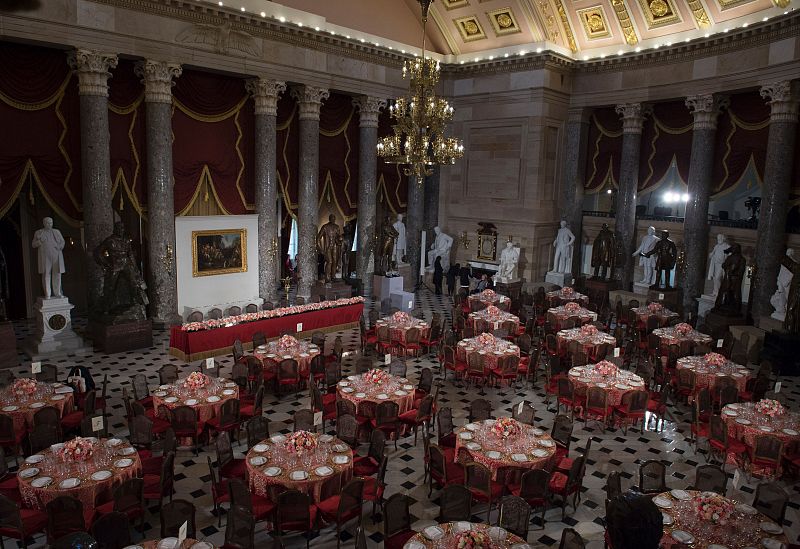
{"x": 491, "y": 57}
{"x": 638, "y": 49}
{"x": 765, "y": 19}
{"x": 725, "y": 30}
{"x": 316, "y": 28}
{"x": 506, "y": 55}
{"x": 620, "y": 52}
{"x": 362, "y": 40}
{"x": 688, "y": 40}
{"x": 462, "y": 62}
{"x": 744, "y": 25}
{"x": 348, "y": 37}
{"x": 585, "y": 57}
{"x": 402, "y": 51}
{"x": 706, "y": 35}
{"x": 522, "y": 52}
{"x": 263, "y": 14}
{"x": 333, "y": 33}
{"x": 668, "y": 44}
{"x": 299, "y": 24}
{"x": 220, "y": 3}
{"x": 602, "y": 56}
{"x": 538, "y": 50}
{"x": 242, "y": 8}
{"x": 282, "y": 19}
{"x": 656, "y": 46}
{"x": 477, "y": 59}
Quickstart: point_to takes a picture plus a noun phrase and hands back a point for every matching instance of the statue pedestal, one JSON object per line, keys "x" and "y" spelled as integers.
{"x": 54, "y": 335}
{"x": 383, "y": 286}
{"x": 126, "y": 336}
{"x": 8, "y": 346}
{"x": 332, "y": 291}
{"x": 559, "y": 279}
{"x": 719, "y": 323}
{"x": 671, "y": 298}
{"x": 512, "y": 288}
{"x": 769, "y": 324}
{"x": 780, "y": 317}
{"x": 598, "y": 290}
{"x": 640, "y": 288}
{"x": 408, "y": 277}
{"x": 704, "y": 304}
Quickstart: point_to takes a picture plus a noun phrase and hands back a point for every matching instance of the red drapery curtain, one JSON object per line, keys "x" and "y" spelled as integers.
{"x": 338, "y": 155}
{"x": 604, "y": 149}
{"x": 666, "y": 136}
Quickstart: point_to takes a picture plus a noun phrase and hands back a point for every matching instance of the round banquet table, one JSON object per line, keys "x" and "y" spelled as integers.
{"x": 303, "y": 352}
{"x": 269, "y": 463}
{"x": 669, "y": 336}
{"x": 584, "y": 377}
{"x": 588, "y": 342}
{"x": 444, "y": 535}
{"x": 495, "y": 317}
{"x": 559, "y": 297}
{"x": 560, "y": 314}
{"x": 744, "y": 529}
{"x": 664, "y": 315}
{"x": 532, "y": 448}
{"x": 359, "y": 391}
{"x": 21, "y": 408}
{"x": 113, "y": 462}
{"x": 400, "y": 324}
{"x": 490, "y": 347}
{"x": 490, "y": 297}
{"x": 207, "y": 401}
{"x": 746, "y": 424}
{"x": 172, "y": 543}
{"x": 705, "y": 374}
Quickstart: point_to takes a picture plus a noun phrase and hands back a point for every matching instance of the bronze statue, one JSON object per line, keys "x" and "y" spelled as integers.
{"x": 729, "y": 297}
{"x": 124, "y": 297}
{"x": 349, "y": 235}
{"x": 666, "y": 255}
{"x": 792, "y": 322}
{"x": 603, "y": 253}
{"x": 329, "y": 244}
{"x": 385, "y": 252}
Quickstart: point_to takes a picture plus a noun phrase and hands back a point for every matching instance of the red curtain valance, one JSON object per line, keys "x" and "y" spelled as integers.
{"x": 604, "y": 149}
{"x": 666, "y": 137}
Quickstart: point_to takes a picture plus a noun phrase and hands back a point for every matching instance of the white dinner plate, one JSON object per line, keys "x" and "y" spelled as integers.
{"x": 278, "y": 438}
{"x": 433, "y": 533}
{"x": 272, "y": 471}
{"x": 36, "y": 405}
{"x": 765, "y": 428}
{"x": 770, "y": 527}
{"x": 191, "y": 402}
{"x": 298, "y": 475}
{"x": 133, "y": 547}
{"x": 682, "y": 536}
{"x": 621, "y": 386}
{"x": 791, "y": 432}
{"x": 160, "y": 394}
{"x": 167, "y": 543}
{"x": 341, "y": 460}
{"x": 124, "y": 462}
{"x": 344, "y": 383}
{"x": 602, "y": 385}
{"x": 382, "y": 396}
{"x": 258, "y": 461}
{"x": 10, "y": 408}
{"x": 113, "y": 442}
{"x": 717, "y": 546}
{"x": 662, "y": 502}
{"x": 770, "y": 543}
{"x": 538, "y": 432}
{"x": 102, "y": 475}
{"x": 41, "y": 482}
{"x": 170, "y": 400}
{"x": 521, "y": 546}
{"x": 35, "y": 458}
{"x": 347, "y": 389}
{"x": 465, "y": 435}
{"x": 304, "y": 355}
{"x": 323, "y": 471}
{"x": 519, "y": 457}
{"x": 493, "y": 454}
{"x": 202, "y": 545}
{"x": 340, "y": 448}
{"x": 213, "y": 398}
{"x": 731, "y": 413}
{"x": 325, "y": 438}
{"x": 352, "y": 378}
{"x": 746, "y": 509}
{"x": 471, "y": 426}
{"x": 539, "y": 453}
{"x": 69, "y": 483}
{"x": 261, "y": 447}
{"x": 230, "y": 384}
{"x": 742, "y": 421}
{"x": 29, "y": 472}
{"x": 92, "y": 440}
{"x": 666, "y": 519}
{"x": 473, "y": 446}
{"x": 57, "y": 397}
{"x": 547, "y": 443}
{"x": 127, "y": 451}
{"x": 680, "y": 494}
{"x": 361, "y": 395}
{"x": 462, "y": 526}
{"x": 56, "y": 447}
{"x": 497, "y": 534}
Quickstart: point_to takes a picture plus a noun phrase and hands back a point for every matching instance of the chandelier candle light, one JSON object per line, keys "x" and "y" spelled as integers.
{"x": 419, "y": 140}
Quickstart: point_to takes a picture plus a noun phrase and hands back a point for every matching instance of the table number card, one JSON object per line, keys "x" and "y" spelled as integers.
{"x": 387, "y": 358}
{"x": 410, "y": 305}
{"x": 519, "y": 408}
{"x": 36, "y": 367}
{"x": 210, "y": 363}
{"x": 182, "y": 533}
{"x": 616, "y": 352}
{"x": 317, "y": 418}
{"x": 737, "y": 479}
{"x": 719, "y": 343}
{"x": 777, "y": 387}
{"x": 97, "y": 423}
{"x": 299, "y": 327}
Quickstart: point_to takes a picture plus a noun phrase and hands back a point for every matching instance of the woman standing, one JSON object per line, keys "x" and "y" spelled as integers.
{"x": 438, "y": 275}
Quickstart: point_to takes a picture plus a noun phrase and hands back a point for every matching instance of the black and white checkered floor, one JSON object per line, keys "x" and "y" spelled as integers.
{"x": 610, "y": 450}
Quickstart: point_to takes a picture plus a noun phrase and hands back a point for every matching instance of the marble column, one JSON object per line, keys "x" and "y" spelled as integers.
{"x": 771, "y": 241}
{"x": 309, "y": 99}
{"x": 92, "y": 68}
{"x": 625, "y": 227}
{"x": 265, "y": 94}
{"x": 415, "y": 211}
{"x": 430, "y": 217}
{"x": 369, "y": 109}
{"x": 157, "y": 77}
{"x": 573, "y": 176}
{"x": 705, "y": 109}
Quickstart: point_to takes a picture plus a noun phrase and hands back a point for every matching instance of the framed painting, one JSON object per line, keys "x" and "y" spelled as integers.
{"x": 219, "y": 251}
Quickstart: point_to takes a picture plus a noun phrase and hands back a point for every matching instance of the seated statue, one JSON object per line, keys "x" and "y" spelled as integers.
{"x": 440, "y": 248}
{"x": 509, "y": 258}
{"x": 124, "y": 296}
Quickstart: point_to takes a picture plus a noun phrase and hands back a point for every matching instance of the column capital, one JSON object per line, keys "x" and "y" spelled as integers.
{"x": 782, "y": 97}
{"x": 705, "y": 109}
{"x": 265, "y": 92}
{"x": 92, "y": 68}
{"x": 310, "y": 99}
{"x": 579, "y": 115}
{"x": 632, "y": 116}
{"x": 158, "y": 78}
{"x": 369, "y": 108}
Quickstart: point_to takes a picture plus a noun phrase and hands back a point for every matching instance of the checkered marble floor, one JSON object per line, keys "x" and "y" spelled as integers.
{"x": 610, "y": 450}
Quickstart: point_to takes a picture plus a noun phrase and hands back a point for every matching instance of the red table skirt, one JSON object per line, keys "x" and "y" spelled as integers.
{"x": 190, "y": 346}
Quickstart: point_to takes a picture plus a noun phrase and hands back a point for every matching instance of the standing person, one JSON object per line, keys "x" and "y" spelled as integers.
{"x": 452, "y": 274}
{"x": 438, "y": 275}
{"x": 464, "y": 275}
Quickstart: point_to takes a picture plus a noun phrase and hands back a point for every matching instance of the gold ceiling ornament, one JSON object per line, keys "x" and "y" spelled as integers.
{"x": 659, "y": 13}
{"x": 659, "y": 8}
{"x": 594, "y": 22}
{"x": 419, "y": 142}
{"x": 573, "y": 46}
{"x": 455, "y": 4}
{"x": 503, "y": 21}
{"x": 469, "y": 28}
{"x": 699, "y": 13}
{"x": 625, "y": 22}
{"x": 781, "y": 3}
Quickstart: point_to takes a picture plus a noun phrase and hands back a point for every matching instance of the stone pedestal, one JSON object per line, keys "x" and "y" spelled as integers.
{"x": 8, "y": 346}
{"x": 402, "y": 300}
{"x": 332, "y": 291}
{"x": 719, "y": 323}
{"x": 117, "y": 338}
{"x": 671, "y": 298}
{"x": 623, "y": 296}
{"x": 559, "y": 279}
{"x": 408, "y": 276}
{"x": 54, "y": 335}
{"x": 641, "y": 288}
{"x": 598, "y": 290}
{"x": 383, "y": 286}
{"x": 512, "y": 288}
{"x": 769, "y": 324}
{"x": 704, "y": 304}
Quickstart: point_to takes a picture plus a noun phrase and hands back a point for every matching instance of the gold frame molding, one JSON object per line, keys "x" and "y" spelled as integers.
{"x": 598, "y": 10}
{"x": 455, "y": 4}
{"x": 494, "y": 15}
{"x": 654, "y": 21}
{"x": 461, "y": 26}
{"x": 242, "y": 242}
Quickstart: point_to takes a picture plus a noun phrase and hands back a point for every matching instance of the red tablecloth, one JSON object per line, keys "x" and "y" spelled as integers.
{"x": 190, "y": 346}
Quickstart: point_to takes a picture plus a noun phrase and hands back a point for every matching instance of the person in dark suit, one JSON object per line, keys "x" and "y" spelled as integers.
{"x": 464, "y": 273}
{"x": 452, "y": 274}
{"x": 438, "y": 275}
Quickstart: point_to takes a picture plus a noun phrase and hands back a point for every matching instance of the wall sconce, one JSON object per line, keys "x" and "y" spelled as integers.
{"x": 510, "y": 238}
{"x": 272, "y": 250}
{"x": 464, "y": 239}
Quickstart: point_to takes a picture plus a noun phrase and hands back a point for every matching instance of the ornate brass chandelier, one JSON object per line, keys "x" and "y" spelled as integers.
{"x": 419, "y": 140}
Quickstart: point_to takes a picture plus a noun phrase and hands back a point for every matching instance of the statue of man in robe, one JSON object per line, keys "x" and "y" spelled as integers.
{"x": 399, "y": 241}
{"x": 49, "y": 244}
{"x": 562, "y": 260}
{"x": 329, "y": 244}
{"x": 603, "y": 253}
{"x": 792, "y": 322}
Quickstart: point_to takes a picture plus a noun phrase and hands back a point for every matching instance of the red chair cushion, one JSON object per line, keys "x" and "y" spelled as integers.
{"x": 496, "y": 491}
{"x": 152, "y": 487}
{"x": 72, "y": 420}
{"x": 409, "y": 417}
{"x": 364, "y": 466}
{"x": 262, "y": 507}
{"x": 448, "y": 441}
{"x": 33, "y": 521}
{"x": 300, "y": 526}
{"x": 558, "y": 483}
{"x": 373, "y": 490}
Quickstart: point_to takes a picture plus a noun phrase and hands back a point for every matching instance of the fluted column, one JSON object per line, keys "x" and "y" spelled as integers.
{"x": 157, "y": 77}
{"x": 265, "y": 94}
{"x": 625, "y": 227}
{"x": 573, "y": 175}
{"x": 92, "y": 68}
{"x": 309, "y": 99}
{"x": 414, "y": 220}
{"x": 771, "y": 242}
{"x": 705, "y": 109}
{"x": 369, "y": 109}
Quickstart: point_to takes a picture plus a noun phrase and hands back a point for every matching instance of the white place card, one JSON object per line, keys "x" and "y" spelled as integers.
{"x": 616, "y": 352}
{"x": 737, "y": 479}
{"x": 387, "y": 358}
{"x": 573, "y": 282}
{"x": 97, "y": 424}
{"x": 719, "y": 343}
{"x": 299, "y": 327}
{"x": 210, "y": 363}
{"x": 36, "y": 367}
{"x": 182, "y": 533}
{"x": 411, "y": 304}
{"x": 660, "y": 297}
{"x": 519, "y": 408}
{"x": 777, "y": 387}
{"x": 317, "y": 418}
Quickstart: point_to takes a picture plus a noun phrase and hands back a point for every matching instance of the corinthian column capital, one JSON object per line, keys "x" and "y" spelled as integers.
{"x": 369, "y": 108}
{"x": 705, "y": 109}
{"x": 265, "y": 92}
{"x": 158, "y": 79}
{"x": 632, "y": 116}
{"x": 310, "y": 99}
{"x": 92, "y": 68}
{"x": 782, "y": 99}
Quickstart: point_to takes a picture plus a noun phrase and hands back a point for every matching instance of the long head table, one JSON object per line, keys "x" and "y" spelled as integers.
{"x": 190, "y": 346}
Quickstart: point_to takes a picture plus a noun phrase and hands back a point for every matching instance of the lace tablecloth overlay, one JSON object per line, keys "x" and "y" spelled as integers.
{"x": 491, "y": 347}
{"x": 447, "y": 535}
{"x": 45, "y": 476}
{"x": 664, "y": 315}
{"x": 358, "y": 389}
{"x": 400, "y": 322}
{"x": 705, "y": 373}
{"x": 490, "y": 297}
{"x": 745, "y": 423}
{"x": 614, "y": 385}
{"x": 21, "y": 406}
{"x": 495, "y": 317}
{"x": 526, "y": 447}
{"x": 559, "y": 297}
{"x": 669, "y": 336}
{"x": 560, "y": 314}
{"x": 271, "y": 462}
{"x": 288, "y": 347}
{"x": 207, "y": 400}
{"x": 587, "y": 341}
{"x": 744, "y": 528}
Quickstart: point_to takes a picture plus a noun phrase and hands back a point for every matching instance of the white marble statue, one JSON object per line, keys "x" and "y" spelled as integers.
{"x": 509, "y": 258}
{"x": 440, "y": 248}
{"x": 715, "y": 260}
{"x": 49, "y": 243}
{"x": 781, "y": 295}
{"x": 562, "y": 262}
{"x": 647, "y": 263}
{"x": 400, "y": 241}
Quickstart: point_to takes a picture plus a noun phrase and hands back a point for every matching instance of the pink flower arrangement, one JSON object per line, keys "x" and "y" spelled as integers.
{"x": 492, "y": 311}
{"x": 572, "y": 307}
{"x": 488, "y": 294}
{"x": 606, "y": 368}
{"x": 287, "y": 344}
{"x": 301, "y": 441}
{"x": 567, "y": 291}
{"x": 714, "y": 359}
{"x": 376, "y": 376}
{"x": 196, "y": 380}
{"x": 712, "y": 507}
{"x": 683, "y": 329}
{"x": 589, "y": 330}
{"x": 655, "y": 307}
{"x": 24, "y": 387}
{"x": 401, "y": 317}
{"x": 486, "y": 339}
{"x": 210, "y": 324}
{"x": 506, "y": 427}
{"x": 769, "y": 407}
{"x": 77, "y": 449}
{"x": 472, "y": 539}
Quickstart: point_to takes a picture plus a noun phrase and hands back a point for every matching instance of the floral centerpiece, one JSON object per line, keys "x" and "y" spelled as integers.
{"x": 401, "y": 317}
{"x": 486, "y": 339}
{"x": 376, "y": 376}
{"x": 488, "y": 294}
{"x": 287, "y": 344}
{"x": 24, "y": 387}
{"x": 472, "y": 539}
{"x": 589, "y": 330}
{"x": 300, "y": 442}
{"x": 712, "y": 507}
{"x": 492, "y": 311}
{"x": 654, "y": 307}
{"x": 572, "y": 307}
{"x": 769, "y": 407}
{"x": 683, "y": 329}
{"x": 506, "y": 427}
{"x": 606, "y": 368}
{"x": 77, "y": 449}
{"x": 714, "y": 359}
{"x": 196, "y": 380}
{"x": 567, "y": 291}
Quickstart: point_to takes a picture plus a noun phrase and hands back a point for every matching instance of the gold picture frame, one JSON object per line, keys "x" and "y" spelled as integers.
{"x": 219, "y": 251}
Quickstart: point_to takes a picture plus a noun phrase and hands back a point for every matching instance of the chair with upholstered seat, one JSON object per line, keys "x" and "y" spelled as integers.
{"x": 570, "y": 539}
{"x": 534, "y": 489}
{"x": 652, "y": 477}
{"x": 443, "y": 471}
{"x": 771, "y": 500}
{"x": 455, "y": 503}
{"x": 515, "y": 516}
{"x": 288, "y": 376}
{"x": 721, "y": 444}
{"x": 765, "y": 456}
{"x": 219, "y": 491}
{"x": 65, "y": 515}
{"x": 365, "y": 466}
{"x": 19, "y": 523}
{"x": 397, "y": 522}
{"x": 478, "y": 479}
{"x": 710, "y": 478}
{"x": 343, "y": 507}
{"x": 294, "y": 513}
{"x": 563, "y": 486}
{"x": 419, "y": 417}
{"x": 112, "y": 531}
{"x": 157, "y": 487}
{"x": 128, "y": 500}
{"x": 174, "y": 514}
{"x": 387, "y": 419}
{"x": 240, "y": 495}
{"x": 229, "y": 466}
